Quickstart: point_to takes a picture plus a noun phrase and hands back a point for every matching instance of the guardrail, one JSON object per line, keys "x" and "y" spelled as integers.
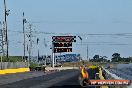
{"x": 61, "y": 68}
{"x": 112, "y": 75}
{"x": 115, "y": 76}
{"x": 102, "y": 77}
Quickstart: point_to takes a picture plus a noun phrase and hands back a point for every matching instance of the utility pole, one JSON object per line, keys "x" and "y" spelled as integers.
{"x": 38, "y": 49}
{"x": 81, "y": 43}
{"x": 24, "y": 21}
{"x": 2, "y": 39}
{"x": 45, "y": 46}
{"x": 2, "y": 42}
{"x": 87, "y": 53}
{"x": 30, "y": 41}
{"x": 6, "y": 14}
{"x": 53, "y": 55}
{"x": 87, "y": 50}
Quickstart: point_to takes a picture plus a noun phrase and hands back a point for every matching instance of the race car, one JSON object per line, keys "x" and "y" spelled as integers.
{"x": 88, "y": 73}
{"x": 96, "y": 76}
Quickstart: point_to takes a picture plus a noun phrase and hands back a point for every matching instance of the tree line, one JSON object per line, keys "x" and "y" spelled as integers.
{"x": 115, "y": 58}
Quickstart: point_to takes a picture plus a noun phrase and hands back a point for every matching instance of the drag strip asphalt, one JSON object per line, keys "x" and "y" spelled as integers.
{"x": 44, "y": 81}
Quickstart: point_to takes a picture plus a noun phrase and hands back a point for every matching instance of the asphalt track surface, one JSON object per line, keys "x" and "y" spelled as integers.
{"x": 62, "y": 79}
{"x": 44, "y": 81}
{"x": 69, "y": 83}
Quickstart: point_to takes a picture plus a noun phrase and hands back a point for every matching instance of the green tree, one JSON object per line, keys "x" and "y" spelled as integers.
{"x": 103, "y": 58}
{"x": 96, "y": 57}
{"x": 116, "y": 57}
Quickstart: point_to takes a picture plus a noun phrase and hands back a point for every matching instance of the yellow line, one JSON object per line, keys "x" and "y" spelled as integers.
{"x": 18, "y": 70}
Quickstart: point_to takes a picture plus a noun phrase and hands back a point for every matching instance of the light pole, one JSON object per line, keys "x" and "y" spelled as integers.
{"x": 1, "y": 62}
{"x": 24, "y": 21}
{"x": 81, "y": 43}
{"x": 2, "y": 44}
{"x": 30, "y": 41}
{"x": 3, "y": 38}
{"x": 45, "y": 46}
{"x": 53, "y": 54}
{"x": 6, "y": 14}
{"x": 87, "y": 53}
{"x": 87, "y": 50}
{"x": 38, "y": 48}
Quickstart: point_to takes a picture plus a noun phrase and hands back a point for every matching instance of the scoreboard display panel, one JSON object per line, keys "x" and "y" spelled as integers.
{"x": 63, "y": 38}
{"x": 61, "y": 44}
{"x": 59, "y": 50}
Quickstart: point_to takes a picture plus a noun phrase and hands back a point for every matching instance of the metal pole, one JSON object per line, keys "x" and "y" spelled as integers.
{"x": 6, "y": 27}
{"x": 45, "y": 46}
{"x": 54, "y": 59}
{"x": 1, "y": 62}
{"x": 24, "y": 35}
{"x": 45, "y": 60}
{"x": 3, "y": 42}
{"x": 38, "y": 49}
{"x": 2, "y": 38}
{"x": 30, "y": 40}
{"x": 87, "y": 52}
{"x": 38, "y": 54}
{"x": 81, "y": 43}
{"x": 53, "y": 55}
{"x": 2, "y": 33}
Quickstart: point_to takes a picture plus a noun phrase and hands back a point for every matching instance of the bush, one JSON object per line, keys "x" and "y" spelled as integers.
{"x": 12, "y": 59}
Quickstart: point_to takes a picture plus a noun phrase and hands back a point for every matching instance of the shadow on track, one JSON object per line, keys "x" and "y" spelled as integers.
{"x": 73, "y": 82}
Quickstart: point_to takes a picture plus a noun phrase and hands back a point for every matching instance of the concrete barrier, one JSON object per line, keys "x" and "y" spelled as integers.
{"x": 10, "y": 71}
{"x": 115, "y": 76}
{"x": 12, "y": 65}
{"x": 112, "y": 75}
{"x": 60, "y": 68}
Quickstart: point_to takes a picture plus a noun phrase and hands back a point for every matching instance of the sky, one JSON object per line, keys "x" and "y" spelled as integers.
{"x": 104, "y": 25}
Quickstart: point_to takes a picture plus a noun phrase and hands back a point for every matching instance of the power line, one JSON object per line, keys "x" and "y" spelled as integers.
{"x": 83, "y": 34}
{"x": 116, "y": 44}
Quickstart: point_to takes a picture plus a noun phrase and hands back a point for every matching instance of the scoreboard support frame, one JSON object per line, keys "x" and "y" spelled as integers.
{"x": 60, "y": 39}
{"x": 53, "y": 55}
